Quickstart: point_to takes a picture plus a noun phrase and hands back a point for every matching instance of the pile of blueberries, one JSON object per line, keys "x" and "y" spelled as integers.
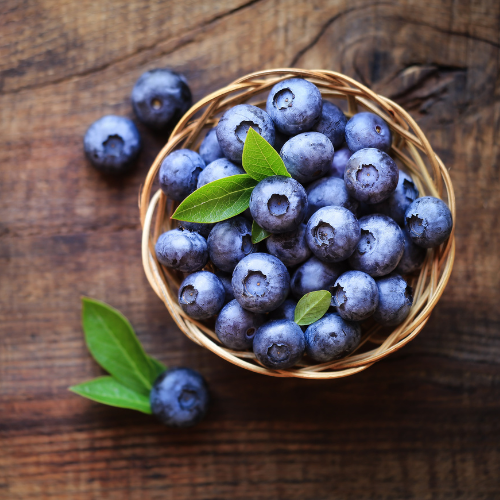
{"x": 348, "y": 221}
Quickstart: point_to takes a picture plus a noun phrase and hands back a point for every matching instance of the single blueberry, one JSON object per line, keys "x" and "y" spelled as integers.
{"x": 291, "y": 248}
{"x": 279, "y": 344}
{"x": 179, "y": 173}
{"x": 230, "y": 241}
{"x": 307, "y": 156}
{"x": 398, "y": 202}
{"x": 380, "y": 247}
{"x": 395, "y": 298}
{"x": 183, "y": 250}
{"x": 225, "y": 279}
{"x": 332, "y": 233}
{"x": 278, "y": 204}
{"x": 197, "y": 227}
{"x": 413, "y": 256}
{"x": 329, "y": 191}
{"x": 112, "y": 144}
{"x": 284, "y": 311}
{"x": 355, "y": 294}
{"x": 233, "y": 127}
{"x": 218, "y": 169}
{"x": 160, "y": 97}
{"x": 260, "y": 282}
{"x": 367, "y": 130}
{"x": 201, "y": 295}
{"x": 314, "y": 275}
{"x": 210, "y": 149}
{"x": 235, "y": 327}
{"x": 294, "y": 105}
{"x": 339, "y": 162}
{"x": 331, "y": 337}
{"x": 371, "y": 175}
{"x": 332, "y": 123}
{"x": 180, "y": 397}
{"x": 428, "y": 222}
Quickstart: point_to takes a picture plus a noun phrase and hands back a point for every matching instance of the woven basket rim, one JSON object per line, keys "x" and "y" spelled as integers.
{"x": 409, "y": 143}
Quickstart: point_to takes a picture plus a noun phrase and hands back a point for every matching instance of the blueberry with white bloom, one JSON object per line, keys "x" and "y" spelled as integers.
{"x": 331, "y": 337}
{"x": 233, "y": 127}
{"x": 201, "y": 295}
{"x": 428, "y": 222}
{"x": 332, "y": 233}
{"x": 380, "y": 247}
{"x": 367, "y": 130}
{"x": 307, "y": 156}
{"x": 371, "y": 175}
{"x": 294, "y": 105}
{"x": 179, "y": 173}
{"x": 355, "y": 294}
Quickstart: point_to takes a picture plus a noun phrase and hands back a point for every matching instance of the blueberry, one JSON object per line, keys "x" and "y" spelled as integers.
{"x": 428, "y": 222}
{"x": 332, "y": 123}
{"x": 233, "y": 127}
{"x": 331, "y": 337}
{"x": 230, "y": 241}
{"x": 398, "y": 202}
{"x": 278, "y": 204}
{"x": 179, "y": 173}
{"x": 315, "y": 275}
{"x": 279, "y": 344}
{"x": 260, "y": 282}
{"x": 371, "y": 175}
{"x": 413, "y": 256}
{"x": 307, "y": 156}
{"x": 160, "y": 97}
{"x": 235, "y": 327}
{"x": 198, "y": 227}
{"x": 218, "y": 169}
{"x": 112, "y": 144}
{"x": 329, "y": 191}
{"x": 182, "y": 250}
{"x": 332, "y": 233}
{"x": 367, "y": 130}
{"x": 395, "y": 298}
{"x": 355, "y": 294}
{"x": 225, "y": 279}
{"x": 294, "y": 105}
{"x": 291, "y": 248}
{"x": 339, "y": 162}
{"x": 284, "y": 311}
{"x": 180, "y": 397}
{"x": 210, "y": 149}
{"x": 201, "y": 295}
{"x": 380, "y": 247}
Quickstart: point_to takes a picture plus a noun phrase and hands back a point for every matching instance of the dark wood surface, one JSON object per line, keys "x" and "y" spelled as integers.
{"x": 423, "y": 424}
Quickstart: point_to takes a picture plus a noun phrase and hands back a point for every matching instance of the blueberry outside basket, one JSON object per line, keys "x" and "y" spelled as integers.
{"x": 410, "y": 147}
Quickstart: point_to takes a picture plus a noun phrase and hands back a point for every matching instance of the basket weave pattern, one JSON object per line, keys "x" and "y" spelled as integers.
{"x": 410, "y": 147}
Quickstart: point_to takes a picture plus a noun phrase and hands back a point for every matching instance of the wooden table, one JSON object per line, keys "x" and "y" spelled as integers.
{"x": 423, "y": 424}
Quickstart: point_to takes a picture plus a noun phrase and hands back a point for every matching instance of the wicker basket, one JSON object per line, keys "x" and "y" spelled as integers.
{"x": 410, "y": 147}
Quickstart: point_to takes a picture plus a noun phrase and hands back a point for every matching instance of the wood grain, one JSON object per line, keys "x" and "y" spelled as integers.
{"x": 424, "y": 424}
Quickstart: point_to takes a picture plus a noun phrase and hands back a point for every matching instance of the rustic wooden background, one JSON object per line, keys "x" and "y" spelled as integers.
{"x": 423, "y": 424}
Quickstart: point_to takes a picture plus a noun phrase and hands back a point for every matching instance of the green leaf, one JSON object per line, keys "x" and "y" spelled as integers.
{"x": 158, "y": 366}
{"x": 258, "y": 234}
{"x": 114, "y": 345}
{"x": 312, "y": 306}
{"x": 217, "y": 200}
{"x": 260, "y": 159}
{"x": 109, "y": 391}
